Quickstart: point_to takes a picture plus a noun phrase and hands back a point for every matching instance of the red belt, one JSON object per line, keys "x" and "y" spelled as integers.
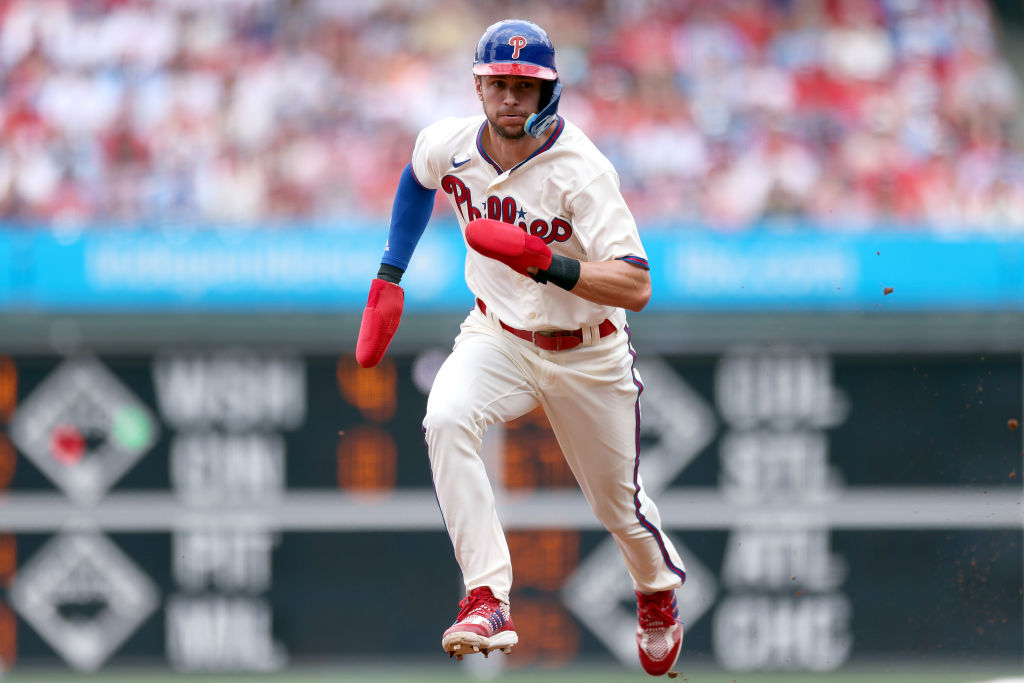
{"x": 555, "y": 340}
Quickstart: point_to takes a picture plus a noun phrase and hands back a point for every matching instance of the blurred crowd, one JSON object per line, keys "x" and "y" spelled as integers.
{"x": 822, "y": 114}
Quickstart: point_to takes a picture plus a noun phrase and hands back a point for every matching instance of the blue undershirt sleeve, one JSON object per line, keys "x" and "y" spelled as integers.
{"x": 409, "y": 216}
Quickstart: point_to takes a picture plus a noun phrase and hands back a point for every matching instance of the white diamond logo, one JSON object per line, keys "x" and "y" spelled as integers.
{"x": 84, "y": 597}
{"x": 83, "y": 428}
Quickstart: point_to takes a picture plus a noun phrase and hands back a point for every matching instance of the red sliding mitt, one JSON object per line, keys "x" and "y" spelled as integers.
{"x": 508, "y": 244}
{"x": 381, "y": 316}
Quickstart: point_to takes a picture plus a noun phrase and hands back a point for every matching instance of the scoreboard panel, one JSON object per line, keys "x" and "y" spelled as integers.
{"x": 237, "y": 508}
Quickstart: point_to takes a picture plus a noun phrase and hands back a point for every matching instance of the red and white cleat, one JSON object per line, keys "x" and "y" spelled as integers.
{"x": 484, "y": 624}
{"x": 659, "y": 633}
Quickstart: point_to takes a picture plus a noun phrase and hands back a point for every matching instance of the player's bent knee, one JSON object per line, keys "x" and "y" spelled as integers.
{"x": 448, "y": 420}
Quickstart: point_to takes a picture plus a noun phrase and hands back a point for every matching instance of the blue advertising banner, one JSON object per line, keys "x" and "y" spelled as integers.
{"x": 302, "y": 268}
{"x": 819, "y": 272}
{"x": 245, "y": 271}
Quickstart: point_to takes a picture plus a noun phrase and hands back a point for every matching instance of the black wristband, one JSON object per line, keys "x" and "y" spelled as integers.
{"x": 390, "y": 273}
{"x": 563, "y": 272}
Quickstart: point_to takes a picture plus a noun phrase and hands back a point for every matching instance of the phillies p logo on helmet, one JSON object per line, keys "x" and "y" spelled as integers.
{"x": 517, "y": 43}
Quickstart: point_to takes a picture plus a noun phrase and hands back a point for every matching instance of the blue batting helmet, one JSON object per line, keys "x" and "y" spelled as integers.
{"x": 516, "y": 47}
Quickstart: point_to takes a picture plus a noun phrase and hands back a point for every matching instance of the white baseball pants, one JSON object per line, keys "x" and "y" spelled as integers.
{"x": 590, "y": 395}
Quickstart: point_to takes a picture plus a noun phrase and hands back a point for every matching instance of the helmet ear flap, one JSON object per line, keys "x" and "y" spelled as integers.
{"x": 547, "y": 89}
{"x": 537, "y": 123}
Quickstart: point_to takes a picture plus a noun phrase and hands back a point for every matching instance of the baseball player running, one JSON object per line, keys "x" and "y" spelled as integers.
{"x": 554, "y": 258}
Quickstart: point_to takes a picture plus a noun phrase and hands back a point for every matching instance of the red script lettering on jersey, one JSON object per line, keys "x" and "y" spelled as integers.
{"x": 504, "y": 209}
{"x": 461, "y": 196}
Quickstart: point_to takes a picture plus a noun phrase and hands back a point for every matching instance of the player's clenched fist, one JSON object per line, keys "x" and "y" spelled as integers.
{"x": 519, "y": 250}
{"x": 508, "y": 244}
{"x": 381, "y": 316}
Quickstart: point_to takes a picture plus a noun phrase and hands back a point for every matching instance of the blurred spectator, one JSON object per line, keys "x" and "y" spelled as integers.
{"x": 827, "y": 114}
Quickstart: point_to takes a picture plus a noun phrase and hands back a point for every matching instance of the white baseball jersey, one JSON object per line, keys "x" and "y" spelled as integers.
{"x": 566, "y": 193}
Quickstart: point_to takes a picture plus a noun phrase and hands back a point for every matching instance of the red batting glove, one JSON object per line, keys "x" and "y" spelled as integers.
{"x": 509, "y": 244}
{"x": 381, "y": 316}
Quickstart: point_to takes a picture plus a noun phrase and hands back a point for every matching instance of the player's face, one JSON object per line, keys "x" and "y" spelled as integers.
{"x": 508, "y": 101}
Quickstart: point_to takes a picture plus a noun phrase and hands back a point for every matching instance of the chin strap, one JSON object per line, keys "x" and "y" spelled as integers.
{"x": 536, "y": 124}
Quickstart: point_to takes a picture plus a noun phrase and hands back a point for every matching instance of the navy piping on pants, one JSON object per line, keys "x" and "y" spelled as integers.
{"x": 636, "y": 469}
{"x": 436, "y": 499}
